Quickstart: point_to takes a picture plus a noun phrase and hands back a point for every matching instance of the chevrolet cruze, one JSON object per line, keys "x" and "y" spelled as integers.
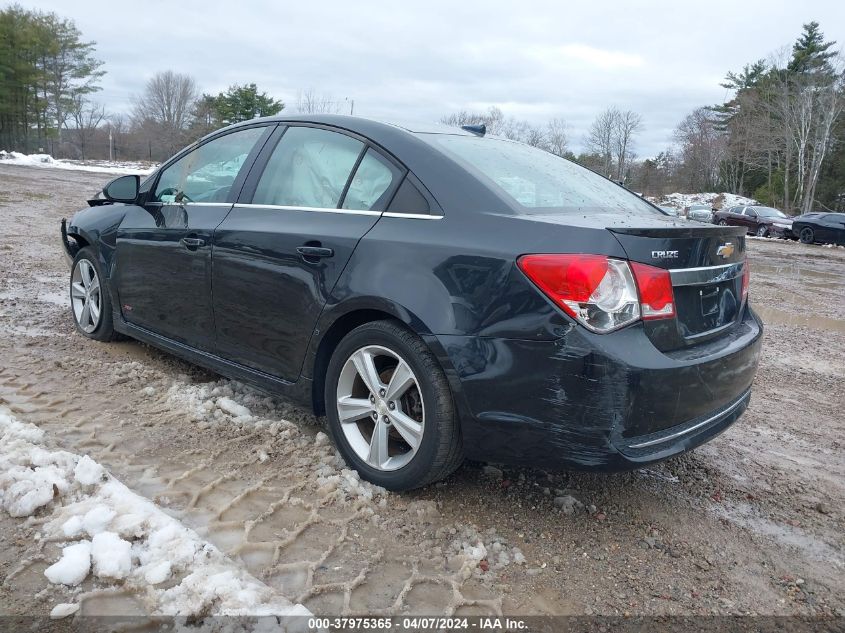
{"x": 436, "y": 293}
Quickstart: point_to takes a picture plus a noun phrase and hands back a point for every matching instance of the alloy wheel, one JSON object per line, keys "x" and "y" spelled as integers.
{"x": 807, "y": 235}
{"x": 380, "y": 407}
{"x": 762, "y": 231}
{"x": 85, "y": 296}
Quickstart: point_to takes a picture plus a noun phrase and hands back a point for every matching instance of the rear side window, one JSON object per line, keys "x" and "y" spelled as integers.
{"x": 308, "y": 168}
{"x": 372, "y": 183}
{"x": 206, "y": 174}
{"x": 408, "y": 199}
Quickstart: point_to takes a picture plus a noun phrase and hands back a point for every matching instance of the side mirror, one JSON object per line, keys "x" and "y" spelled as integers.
{"x": 123, "y": 189}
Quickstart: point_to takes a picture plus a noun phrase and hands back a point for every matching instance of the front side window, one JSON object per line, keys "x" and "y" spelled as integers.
{"x": 537, "y": 181}
{"x": 371, "y": 184}
{"x": 308, "y": 168}
{"x": 206, "y": 174}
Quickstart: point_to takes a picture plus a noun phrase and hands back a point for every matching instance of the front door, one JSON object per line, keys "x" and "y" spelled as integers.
{"x": 278, "y": 254}
{"x": 163, "y": 250}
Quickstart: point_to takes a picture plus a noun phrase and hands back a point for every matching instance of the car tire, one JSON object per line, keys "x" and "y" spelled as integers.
{"x": 379, "y": 349}
{"x": 723, "y": 222}
{"x": 762, "y": 231}
{"x": 88, "y": 291}
{"x": 807, "y": 235}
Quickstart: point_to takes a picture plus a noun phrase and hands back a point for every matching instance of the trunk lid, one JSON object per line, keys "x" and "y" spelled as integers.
{"x": 706, "y": 264}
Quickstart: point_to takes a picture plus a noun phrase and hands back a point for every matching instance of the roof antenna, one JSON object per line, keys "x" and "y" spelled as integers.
{"x": 479, "y": 129}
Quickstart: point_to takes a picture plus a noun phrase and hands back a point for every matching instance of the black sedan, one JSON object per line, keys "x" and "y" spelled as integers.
{"x": 758, "y": 220}
{"x": 827, "y": 228}
{"x": 436, "y": 293}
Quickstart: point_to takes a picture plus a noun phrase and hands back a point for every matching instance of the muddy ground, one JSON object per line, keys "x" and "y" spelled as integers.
{"x": 753, "y": 522}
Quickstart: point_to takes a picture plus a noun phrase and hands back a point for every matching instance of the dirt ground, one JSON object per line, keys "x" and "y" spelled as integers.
{"x": 752, "y": 523}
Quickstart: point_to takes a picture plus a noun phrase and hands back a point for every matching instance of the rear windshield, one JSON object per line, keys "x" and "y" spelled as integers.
{"x": 537, "y": 181}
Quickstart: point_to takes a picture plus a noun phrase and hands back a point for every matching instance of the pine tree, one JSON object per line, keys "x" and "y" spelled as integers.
{"x": 242, "y": 103}
{"x": 810, "y": 53}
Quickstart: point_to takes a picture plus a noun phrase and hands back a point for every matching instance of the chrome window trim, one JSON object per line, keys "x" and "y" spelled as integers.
{"x": 279, "y": 207}
{"x": 706, "y": 274}
{"x": 673, "y": 436}
{"x": 386, "y": 214}
{"x": 412, "y": 216}
{"x": 188, "y": 204}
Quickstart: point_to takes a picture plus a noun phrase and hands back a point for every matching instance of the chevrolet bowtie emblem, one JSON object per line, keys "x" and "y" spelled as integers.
{"x": 725, "y": 250}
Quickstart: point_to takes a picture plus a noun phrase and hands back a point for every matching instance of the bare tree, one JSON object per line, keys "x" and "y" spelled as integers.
{"x": 86, "y": 117}
{"x": 809, "y": 109}
{"x": 557, "y": 140}
{"x": 312, "y": 102}
{"x": 627, "y": 125}
{"x": 600, "y": 139}
{"x": 168, "y": 100}
{"x": 702, "y": 148}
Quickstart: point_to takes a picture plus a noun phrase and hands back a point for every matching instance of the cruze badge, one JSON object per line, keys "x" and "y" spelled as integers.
{"x": 664, "y": 254}
{"x": 725, "y": 250}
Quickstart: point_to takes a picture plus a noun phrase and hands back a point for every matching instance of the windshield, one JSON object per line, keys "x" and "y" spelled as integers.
{"x": 537, "y": 181}
{"x": 699, "y": 207}
{"x": 768, "y": 212}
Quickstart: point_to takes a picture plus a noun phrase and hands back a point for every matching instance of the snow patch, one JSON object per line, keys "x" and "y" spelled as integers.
{"x": 87, "y": 471}
{"x": 100, "y": 166}
{"x": 133, "y": 541}
{"x": 717, "y": 201}
{"x": 227, "y": 405}
{"x": 73, "y": 567}
{"x": 111, "y": 556}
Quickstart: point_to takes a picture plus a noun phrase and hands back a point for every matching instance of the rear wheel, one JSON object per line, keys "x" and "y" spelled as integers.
{"x": 762, "y": 231}
{"x": 89, "y": 298}
{"x": 723, "y": 222}
{"x": 390, "y": 409}
{"x": 807, "y": 235}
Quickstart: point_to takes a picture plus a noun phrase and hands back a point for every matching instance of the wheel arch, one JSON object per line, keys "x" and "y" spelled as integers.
{"x": 337, "y": 322}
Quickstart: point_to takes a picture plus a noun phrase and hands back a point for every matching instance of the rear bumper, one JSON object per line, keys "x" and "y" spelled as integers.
{"x": 598, "y": 402}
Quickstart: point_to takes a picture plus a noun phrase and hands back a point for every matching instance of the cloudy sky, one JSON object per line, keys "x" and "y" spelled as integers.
{"x": 421, "y": 60}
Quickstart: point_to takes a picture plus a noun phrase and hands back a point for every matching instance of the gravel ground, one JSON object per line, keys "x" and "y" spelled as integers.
{"x": 751, "y": 523}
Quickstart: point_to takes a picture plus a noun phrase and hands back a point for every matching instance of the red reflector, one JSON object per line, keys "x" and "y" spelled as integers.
{"x": 565, "y": 278}
{"x": 657, "y": 299}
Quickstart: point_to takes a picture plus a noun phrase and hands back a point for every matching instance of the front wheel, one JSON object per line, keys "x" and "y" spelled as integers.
{"x": 762, "y": 231}
{"x": 390, "y": 409}
{"x": 723, "y": 222}
{"x": 807, "y": 236}
{"x": 89, "y": 298}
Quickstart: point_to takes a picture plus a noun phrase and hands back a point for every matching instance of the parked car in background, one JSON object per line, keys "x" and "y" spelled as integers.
{"x": 827, "y": 228}
{"x": 433, "y": 292}
{"x": 700, "y": 213}
{"x": 757, "y": 220}
{"x": 668, "y": 210}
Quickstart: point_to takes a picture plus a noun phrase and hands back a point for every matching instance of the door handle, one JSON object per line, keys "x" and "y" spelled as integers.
{"x": 192, "y": 242}
{"x": 314, "y": 252}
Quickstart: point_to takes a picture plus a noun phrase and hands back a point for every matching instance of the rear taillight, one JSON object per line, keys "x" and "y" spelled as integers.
{"x": 746, "y": 279}
{"x": 657, "y": 298}
{"x": 601, "y": 292}
{"x": 597, "y": 291}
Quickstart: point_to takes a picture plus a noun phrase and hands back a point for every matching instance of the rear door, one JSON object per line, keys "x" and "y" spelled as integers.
{"x": 163, "y": 251}
{"x": 830, "y": 228}
{"x": 314, "y": 192}
{"x": 749, "y": 218}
